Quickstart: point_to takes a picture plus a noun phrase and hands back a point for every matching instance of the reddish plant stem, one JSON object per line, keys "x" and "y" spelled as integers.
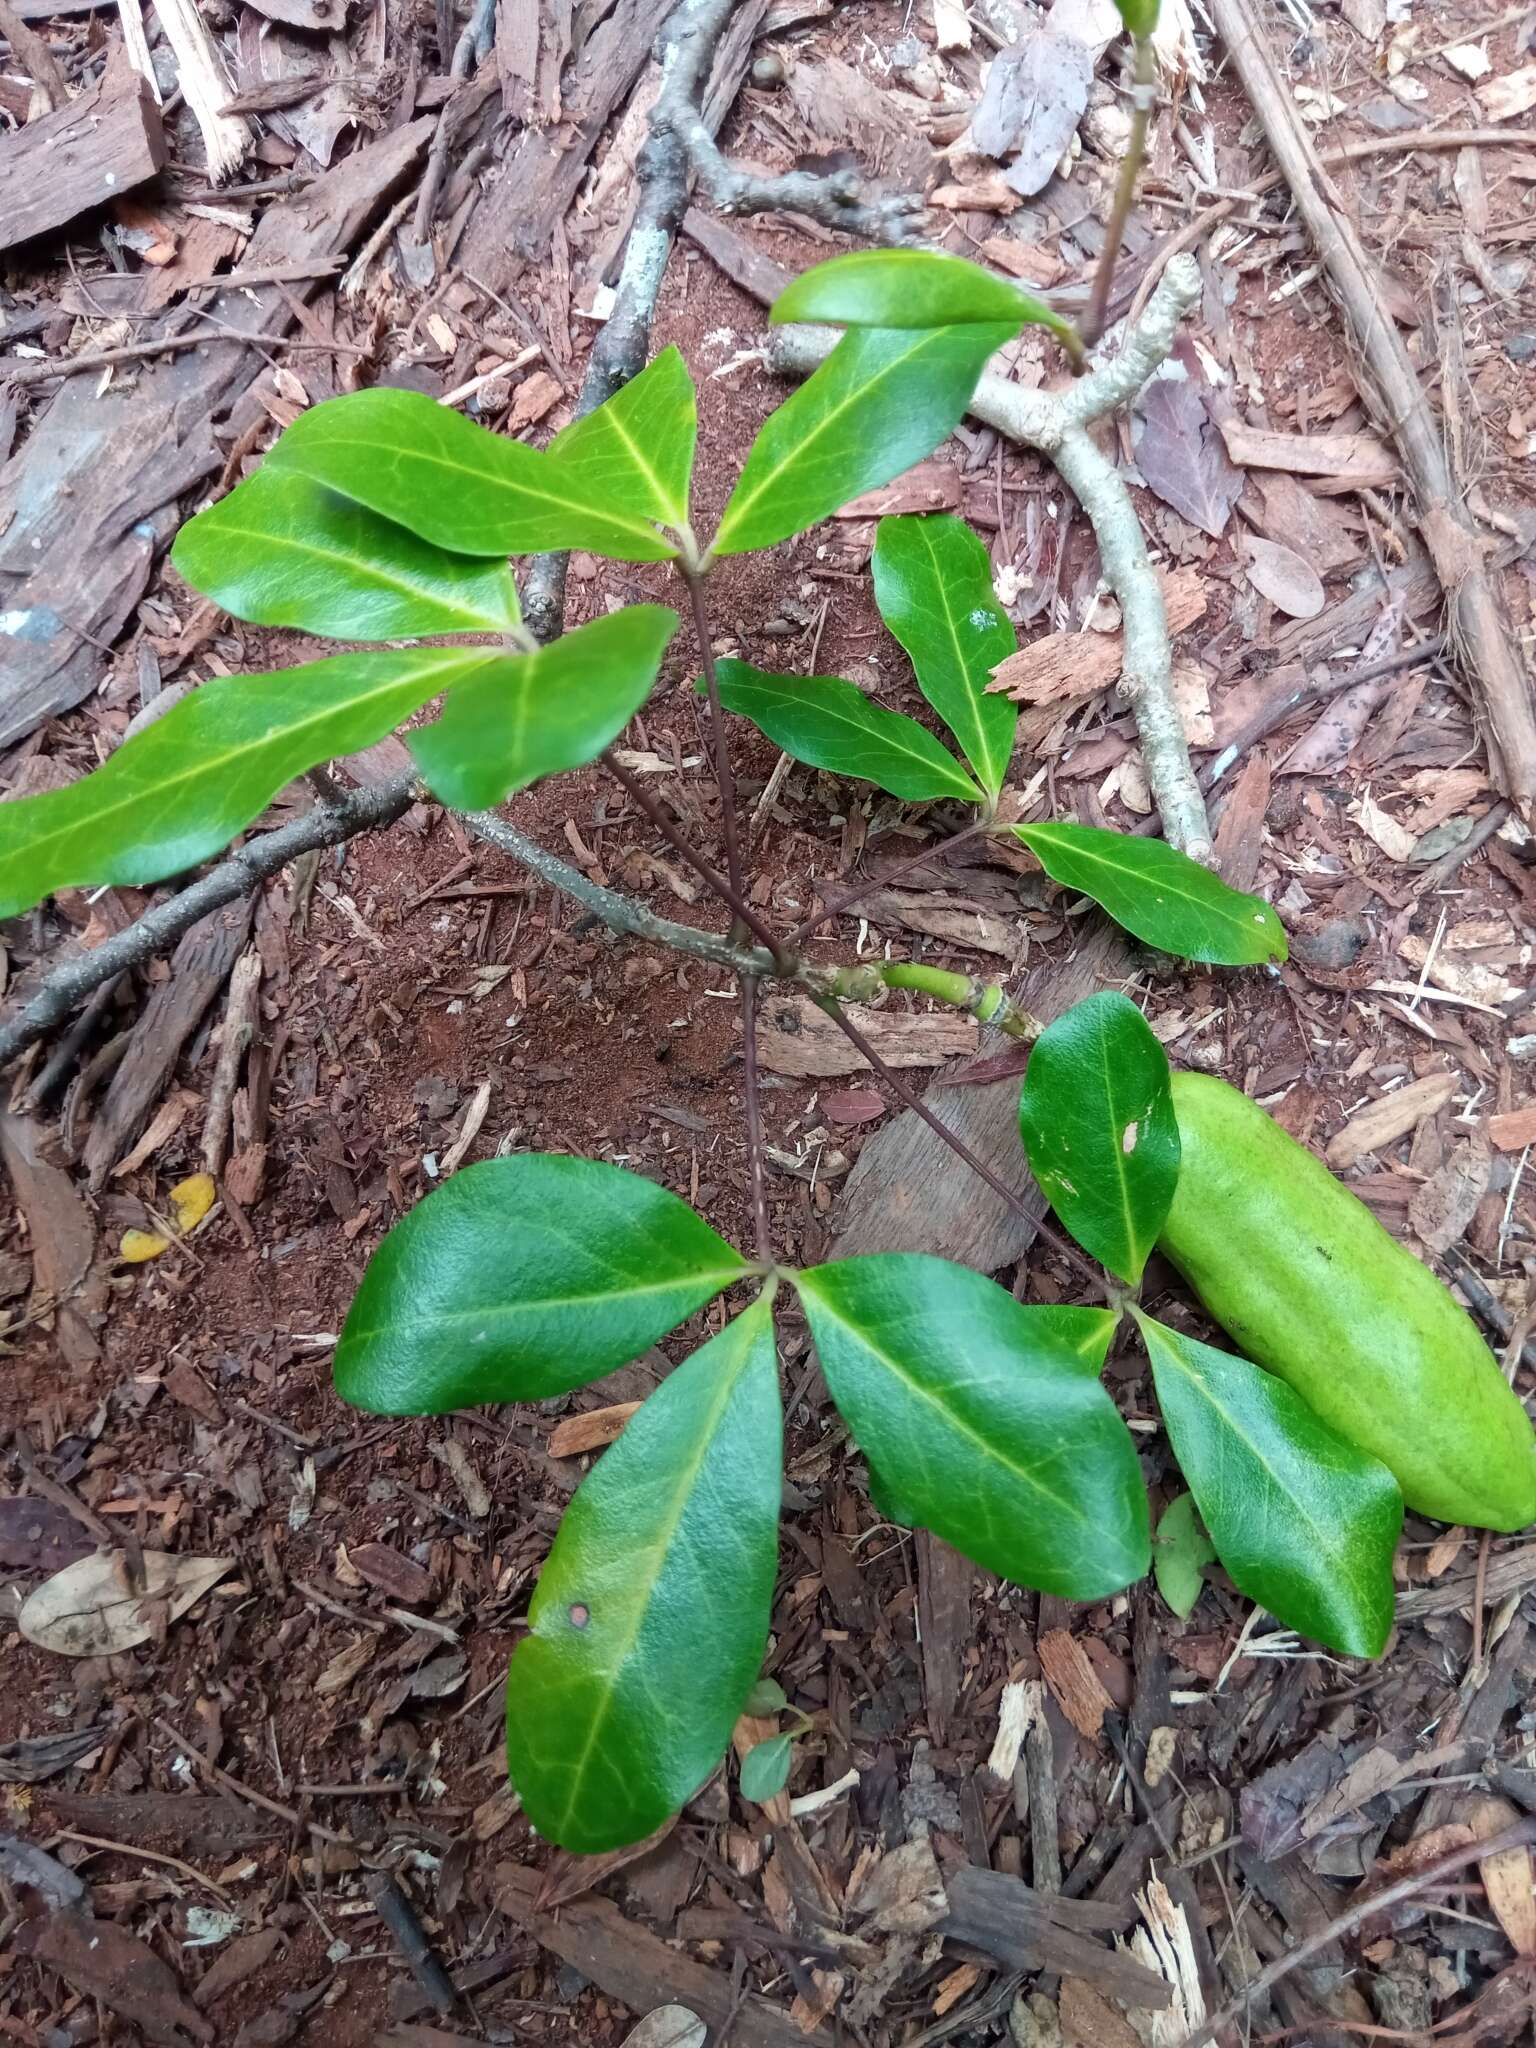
{"x": 723, "y": 776}
{"x": 737, "y": 903}
{"x": 838, "y": 904}
{"x": 1084, "y": 1267}
{"x": 760, "y": 1223}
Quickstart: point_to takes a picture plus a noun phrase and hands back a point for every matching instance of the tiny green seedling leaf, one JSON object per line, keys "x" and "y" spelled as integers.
{"x": 1160, "y": 894}
{"x": 981, "y": 1424}
{"x": 765, "y": 1698}
{"x": 765, "y": 1769}
{"x": 903, "y": 288}
{"x": 524, "y": 1277}
{"x": 183, "y": 787}
{"x": 650, "y": 1618}
{"x": 543, "y": 712}
{"x": 933, "y": 584}
{"x": 427, "y": 468}
{"x": 1304, "y": 1522}
{"x": 880, "y": 402}
{"x": 1096, "y": 1115}
{"x": 282, "y": 550}
{"x": 830, "y": 724}
{"x": 1181, "y": 1550}
{"x": 1139, "y": 16}
{"x": 636, "y": 450}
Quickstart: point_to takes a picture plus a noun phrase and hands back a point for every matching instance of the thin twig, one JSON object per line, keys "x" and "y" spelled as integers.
{"x": 1144, "y": 99}
{"x": 838, "y": 904}
{"x": 761, "y": 1227}
{"x": 729, "y": 831}
{"x": 1082, "y": 1266}
{"x": 140, "y": 351}
{"x": 1360, "y": 1908}
{"x": 733, "y": 900}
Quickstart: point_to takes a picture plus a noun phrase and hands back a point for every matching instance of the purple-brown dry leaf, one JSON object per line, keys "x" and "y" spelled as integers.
{"x": 1181, "y": 455}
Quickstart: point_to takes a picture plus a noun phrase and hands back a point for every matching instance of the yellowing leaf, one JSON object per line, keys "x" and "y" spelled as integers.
{"x": 139, "y": 1245}
{"x": 191, "y": 1199}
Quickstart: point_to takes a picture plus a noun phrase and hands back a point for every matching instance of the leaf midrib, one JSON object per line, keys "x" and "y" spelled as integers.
{"x": 546, "y": 1304}
{"x": 861, "y": 1336}
{"x": 991, "y": 774}
{"x": 469, "y": 617}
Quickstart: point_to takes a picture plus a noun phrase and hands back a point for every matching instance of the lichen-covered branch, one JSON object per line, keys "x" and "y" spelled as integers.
{"x": 1057, "y": 424}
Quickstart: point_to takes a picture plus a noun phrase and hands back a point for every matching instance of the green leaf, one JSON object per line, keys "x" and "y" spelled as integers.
{"x": 933, "y": 584}
{"x": 524, "y": 1277}
{"x": 1305, "y": 1524}
{"x": 1096, "y": 1116}
{"x": 831, "y": 724}
{"x": 980, "y": 1423}
{"x": 902, "y": 288}
{"x": 1181, "y": 1549}
{"x": 1139, "y": 16}
{"x": 459, "y": 486}
{"x": 543, "y": 712}
{"x": 1083, "y": 1334}
{"x": 765, "y": 1698}
{"x": 1158, "y": 893}
{"x": 650, "y": 1619}
{"x": 283, "y": 551}
{"x": 181, "y": 789}
{"x": 881, "y": 401}
{"x": 765, "y": 1769}
{"x": 636, "y": 450}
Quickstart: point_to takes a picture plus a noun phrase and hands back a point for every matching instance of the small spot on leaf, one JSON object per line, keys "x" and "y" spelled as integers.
{"x": 1128, "y": 1138}
{"x": 580, "y": 1615}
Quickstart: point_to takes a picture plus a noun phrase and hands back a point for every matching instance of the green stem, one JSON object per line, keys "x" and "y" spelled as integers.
{"x": 988, "y": 1001}
{"x": 1144, "y": 99}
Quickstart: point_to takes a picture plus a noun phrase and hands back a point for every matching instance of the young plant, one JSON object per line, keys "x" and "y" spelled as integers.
{"x": 383, "y": 516}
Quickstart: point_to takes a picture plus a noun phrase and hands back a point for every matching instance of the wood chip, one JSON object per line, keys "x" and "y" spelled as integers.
{"x": 798, "y": 1039}
{"x": 88, "y": 153}
{"x": 1354, "y": 459}
{"x": 1075, "y": 1685}
{"x": 1381, "y": 1123}
{"x": 1065, "y": 665}
{"x": 401, "y": 1577}
{"x": 1503, "y": 98}
{"x": 594, "y": 1431}
{"x": 1515, "y": 1129}
{"x": 1089, "y": 2021}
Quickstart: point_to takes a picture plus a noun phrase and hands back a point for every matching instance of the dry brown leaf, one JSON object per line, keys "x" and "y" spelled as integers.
{"x": 1394, "y": 840}
{"x": 1381, "y": 1123}
{"x": 90, "y": 1610}
{"x": 669, "y": 2026}
{"x": 1290, "y": 583}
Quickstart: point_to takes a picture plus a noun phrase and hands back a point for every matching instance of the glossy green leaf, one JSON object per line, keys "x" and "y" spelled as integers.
{"x": 459, "y": 486}
{"x": 282, "y": 550}
{"x": 765, "y": 1698}
{"x": 650, "y": 1618}
{"x": 1181, "y": 1550}
{"x": 881, "y": 401}
{"x": 933, "y": 584}
{"x": 636, "y": 449}
{"x": 181, "y": 789}
{"x": 1305, "y": 1524}
{"x": 1158, "y": 893}
{"x": 765, "y": 1769}
{"x": 830, "y": 724}
{"x": 543, "y": 712}
{"x": 1096, "y": 1116}
{"x": 901, "y": 288}
{"x": 1083, "y": 1334}
{"x": 524, "y": 1277}
{"x": 979, "y": 1423}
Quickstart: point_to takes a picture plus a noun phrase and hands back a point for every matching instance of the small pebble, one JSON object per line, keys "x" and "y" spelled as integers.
{"x": 768, "y": 70}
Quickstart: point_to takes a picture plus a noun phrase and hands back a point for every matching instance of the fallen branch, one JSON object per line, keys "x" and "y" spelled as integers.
{"x": 1481, "y": 634}
{"x": 1057, "y": 424}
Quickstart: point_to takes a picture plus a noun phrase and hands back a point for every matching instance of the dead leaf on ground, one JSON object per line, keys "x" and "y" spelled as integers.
{"x": 1180, "y": 453}
{"x": 100, "y": 1960}
{"x": 669, "y": 2026}
{"x": 1443, "y": 1208}
{"x": 90, "y": 1610}
{"x": 188, "y": 1203}
{"x": 851, "y": 1105}
{"x": 1035, "y": 95}
{"x": 1291, "y": 584}
{"x": 904, "y": 1892}
{"x": 38, "y": 1536}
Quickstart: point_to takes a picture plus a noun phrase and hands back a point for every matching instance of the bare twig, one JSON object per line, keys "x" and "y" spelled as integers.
{"x": 237, "y": 1031}
{"x": 729, "y": 830}
{"x": 836, "y": 905}
{"x": 1144, "y": 99}
{"x": 636, "y": 790}
{"x": 1057, "y": 424}
{"x": 762, "y": 1229}
{"x": 1363, "y": 1906}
